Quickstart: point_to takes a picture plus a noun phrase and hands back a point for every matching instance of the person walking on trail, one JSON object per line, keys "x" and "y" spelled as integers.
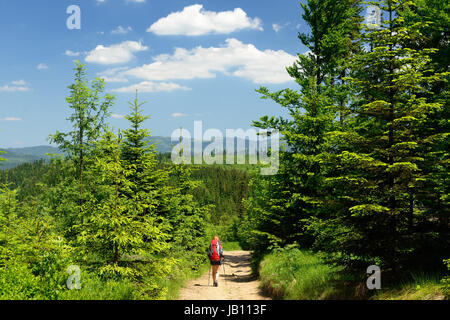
{"x": 215, "y": 255}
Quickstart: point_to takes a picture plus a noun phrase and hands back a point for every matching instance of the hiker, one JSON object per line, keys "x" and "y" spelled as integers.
{"x": 215, "y": 255}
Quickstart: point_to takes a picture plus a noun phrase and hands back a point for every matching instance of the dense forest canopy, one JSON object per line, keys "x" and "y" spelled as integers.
{"x": 367, "y": 179}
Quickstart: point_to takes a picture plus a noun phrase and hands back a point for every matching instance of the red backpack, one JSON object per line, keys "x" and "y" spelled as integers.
{"x": 215, "y": 250}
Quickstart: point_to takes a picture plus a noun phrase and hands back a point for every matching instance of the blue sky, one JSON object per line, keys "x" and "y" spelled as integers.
{"x": 190, "y": 60}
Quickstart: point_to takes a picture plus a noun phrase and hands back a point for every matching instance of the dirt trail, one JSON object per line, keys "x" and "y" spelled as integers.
{"x": 236, "y": 283}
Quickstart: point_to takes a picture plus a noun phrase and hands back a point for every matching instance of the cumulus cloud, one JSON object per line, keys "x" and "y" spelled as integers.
{"x": 234, "y": 58}
{"x": 117, "y": 116}
{"x": 15, "y": 86}
{"x": 70, "y": 53}
{"x": 276, "y": 27}
{"x": 121, "y": 30}
{"x": 11, "y": 119}
{"x": 42, "y": 66}
{"x": 19, "y": 83}
{"x": 149, "y": 86}
{"x": 179, "y": 115}
{"x": 195, "y": 21}
{"x": 113, "y": 75}
{"x": 115, "y": 54}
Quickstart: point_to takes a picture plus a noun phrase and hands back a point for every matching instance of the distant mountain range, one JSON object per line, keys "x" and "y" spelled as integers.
{"x": 16, "y": 156}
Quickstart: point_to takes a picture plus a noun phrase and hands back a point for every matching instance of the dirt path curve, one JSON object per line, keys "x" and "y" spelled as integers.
{"x": 236, "y": 283}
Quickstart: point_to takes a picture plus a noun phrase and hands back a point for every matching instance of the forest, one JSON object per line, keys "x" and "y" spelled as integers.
{"x": 364, "y": 180}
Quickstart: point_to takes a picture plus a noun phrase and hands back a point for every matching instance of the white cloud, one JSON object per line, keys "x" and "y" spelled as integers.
{"x": 276, "y": 27}
{"x": 42, "y": 66}
{"x": 117, "y": 116}
{"x": 179, "y": 115}
{"x": 149, "y": 86}
{"x": 113, "y": 75}
{"x": 19, "y": 83}
{"x": 15, "y": 86}
{"x": 70, "y": 53}
{"x": 121, "y": 30}
{"x": 11, "y": 119}
{"x": 234, "y": 58}
{"x": 195, "y": 21}
{"x": 114, "y": 54}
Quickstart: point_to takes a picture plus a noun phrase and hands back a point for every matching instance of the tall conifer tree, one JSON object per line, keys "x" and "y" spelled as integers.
{"x": 380, "y": 173}
{"x": 295, "y": 194}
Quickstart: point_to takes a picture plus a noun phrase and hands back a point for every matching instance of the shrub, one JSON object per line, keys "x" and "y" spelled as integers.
{"x": 95, "y": 288}
{"x": 17, "y": 282}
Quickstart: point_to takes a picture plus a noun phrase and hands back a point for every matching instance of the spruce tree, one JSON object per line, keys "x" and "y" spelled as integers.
{"x": 294, "y": 195}
{"x": 88, "y": 121}
{"x": 8, "y": 219}
{"x": 115, "y": 229}
{"x": 140, "y": 161}
{"x": 381, "y": 164}
{"x": 434, "y": 19}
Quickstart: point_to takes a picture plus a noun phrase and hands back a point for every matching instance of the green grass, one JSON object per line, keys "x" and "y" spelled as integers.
{"x": 420, "y": 286}
{"x": 231, "y": 246}
{"x": 94, "y": 288}
{"x": 226, "y": 235}
{"x": 293, "y": 274}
